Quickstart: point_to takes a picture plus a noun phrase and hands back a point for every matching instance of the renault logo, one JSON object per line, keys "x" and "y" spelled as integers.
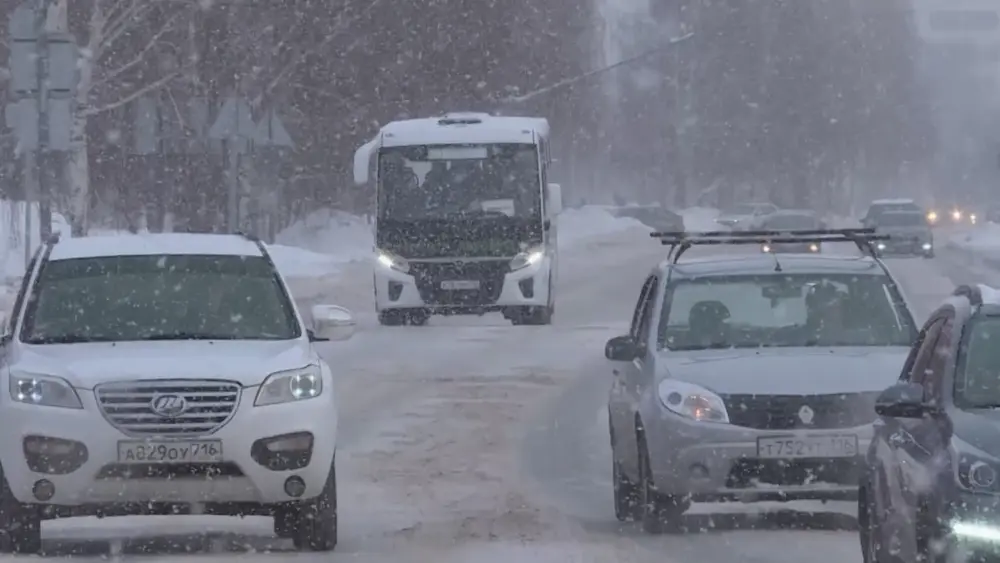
{"x": 168, "y": 405}
{"x": 806, "y": 414}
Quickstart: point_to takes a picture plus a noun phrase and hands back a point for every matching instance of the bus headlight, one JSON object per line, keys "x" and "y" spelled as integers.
{"x": 391, "y": 261}
{"x": 526, "y": 258}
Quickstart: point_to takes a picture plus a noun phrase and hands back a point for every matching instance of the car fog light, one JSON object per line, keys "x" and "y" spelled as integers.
{"x": 43, "y": 490}
{"x": 295, "y": 487}
{"x": 881, "y": 246}
{"x": 982, "y": 475}
{"x": 927, "y": 246}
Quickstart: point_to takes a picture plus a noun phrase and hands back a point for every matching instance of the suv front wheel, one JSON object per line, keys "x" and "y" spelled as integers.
{"x": 311, "y": 524}
{"x": 20, "y": 524}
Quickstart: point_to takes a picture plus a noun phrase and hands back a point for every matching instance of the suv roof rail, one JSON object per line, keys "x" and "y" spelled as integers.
{"x": 971, "y": 292}
{"x": 680, "y": 242}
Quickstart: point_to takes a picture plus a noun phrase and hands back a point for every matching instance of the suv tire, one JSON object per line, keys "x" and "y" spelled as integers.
{"x": 20, "y": 524}
{"x": 316, "y": 522}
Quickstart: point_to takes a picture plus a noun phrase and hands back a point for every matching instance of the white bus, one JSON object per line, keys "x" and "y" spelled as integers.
{"x": 466, "y": 218}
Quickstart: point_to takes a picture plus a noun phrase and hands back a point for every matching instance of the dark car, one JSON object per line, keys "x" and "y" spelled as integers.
{"x": 930, "y": 490}
{"x": 788, "y": 220}
{"x": 653, "y": 216}
{"x": 909, "y": 233}
{"x": 880, "y": 206}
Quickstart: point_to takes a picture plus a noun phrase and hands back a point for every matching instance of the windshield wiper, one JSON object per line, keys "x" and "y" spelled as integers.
{"x": 67, "y": 339}
{"x": 190, "y": 336}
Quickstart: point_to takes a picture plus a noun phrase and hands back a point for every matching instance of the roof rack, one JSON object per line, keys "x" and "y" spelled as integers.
{"x": 680, "y": 242}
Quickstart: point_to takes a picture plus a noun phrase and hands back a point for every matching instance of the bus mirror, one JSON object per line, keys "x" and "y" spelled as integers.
{"x": 362, "y": 162}
{"x": 555, "y": 199}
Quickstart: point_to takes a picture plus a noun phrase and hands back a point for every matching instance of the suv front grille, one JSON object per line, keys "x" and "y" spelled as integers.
{"x": 782, "y": 412}
{"x": 207, "y": 406}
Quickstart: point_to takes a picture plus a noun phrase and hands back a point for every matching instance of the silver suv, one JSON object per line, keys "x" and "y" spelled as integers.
{"x": 751, "y": 377}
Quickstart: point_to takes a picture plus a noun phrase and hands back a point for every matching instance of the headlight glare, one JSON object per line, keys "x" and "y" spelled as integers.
{"x": 527, "y": 258}
{"x": 43, "y": 390}
{"x": 692, "y": 401}
{"x": 391, "y": 261}
{"x": 289, "y": 386}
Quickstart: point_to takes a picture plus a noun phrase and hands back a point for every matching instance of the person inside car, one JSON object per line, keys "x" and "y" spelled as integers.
{"x": 707, "y": 326}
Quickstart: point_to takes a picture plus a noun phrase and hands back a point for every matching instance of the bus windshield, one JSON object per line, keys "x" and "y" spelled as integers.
{"x": 446, "y": 181}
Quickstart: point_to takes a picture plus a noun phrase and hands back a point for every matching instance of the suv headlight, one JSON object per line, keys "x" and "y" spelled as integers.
{"x": 287, "y": 386}
{"x": 526, "y": 258}
{"x": 692, "y": 401}
{"x": 391, "y": 261}
{"x": 43, "y": 390}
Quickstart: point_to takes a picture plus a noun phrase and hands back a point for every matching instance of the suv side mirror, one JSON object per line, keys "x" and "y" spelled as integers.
{"x": 331, "y": 322}
{"x": 620, "y": 349}
{"x": 903, "y": 400}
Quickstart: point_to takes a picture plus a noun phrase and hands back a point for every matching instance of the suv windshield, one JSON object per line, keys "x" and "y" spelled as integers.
{"x": 897, "y": 219}
{"x": 443, "y": 181}
{"x": 977, "y": 381}
{"x": 158, "y": 297}
{"x": 752, "y": 311}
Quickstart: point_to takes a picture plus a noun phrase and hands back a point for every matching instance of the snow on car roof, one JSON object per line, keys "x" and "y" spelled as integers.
{"x": 152, "y": 244}
{"x": 990, "y": 294}
{"x": 764, "y": 264}
{"x": 489, "y": 129}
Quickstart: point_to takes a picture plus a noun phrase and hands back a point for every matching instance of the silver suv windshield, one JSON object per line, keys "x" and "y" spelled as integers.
{"x": 754, "y": 311}
{"x": 158, "y": 297}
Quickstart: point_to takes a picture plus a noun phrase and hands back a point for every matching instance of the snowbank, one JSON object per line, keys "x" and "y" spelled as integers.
{"x": 983, "y": 239}
{"x": 592, "y": 221}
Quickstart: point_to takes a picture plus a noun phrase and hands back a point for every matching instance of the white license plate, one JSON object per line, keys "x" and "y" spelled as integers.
{"x": 194, "y": 451}
{"x": 460, "y": 284}
{"x": 798, "y": 447}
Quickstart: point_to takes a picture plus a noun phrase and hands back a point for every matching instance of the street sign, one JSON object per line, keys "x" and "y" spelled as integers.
{"x": 60, "y": 114}
{"x": 271, "y": 132}
{"x": 63, "y": 58}
{"x": 233, "y": 122}
{"x": 22, "y": 117}
{"x": 21, "y": 26}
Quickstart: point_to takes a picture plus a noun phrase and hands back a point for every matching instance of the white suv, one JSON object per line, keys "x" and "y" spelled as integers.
{"x": 166, "y": 374}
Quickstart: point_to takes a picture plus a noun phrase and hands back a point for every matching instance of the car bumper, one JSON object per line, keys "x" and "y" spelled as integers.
{"x": 717, "y": 462}
{"x": 237, "y": 478}
{"x": 975, "y": 523}
{"x": 527, "y": 287}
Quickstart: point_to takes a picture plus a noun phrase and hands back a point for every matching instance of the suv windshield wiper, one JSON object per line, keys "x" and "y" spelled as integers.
{"x": 190, "y": 336}
{"x": 67, "y": 339}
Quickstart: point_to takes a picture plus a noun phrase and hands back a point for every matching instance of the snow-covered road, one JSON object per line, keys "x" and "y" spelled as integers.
{"x": 473, "y": 440}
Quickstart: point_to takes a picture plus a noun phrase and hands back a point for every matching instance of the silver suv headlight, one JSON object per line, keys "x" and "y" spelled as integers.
{"x": 526, "y": 258}
{"x": 288, "y": 386}
{"x": 692, "y": 401}
{"x": 391, "y": 261}
{"x": 43, "y": 390}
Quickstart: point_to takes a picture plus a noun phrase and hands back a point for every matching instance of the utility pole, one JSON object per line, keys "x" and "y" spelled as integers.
{"x": 43, "y": 79}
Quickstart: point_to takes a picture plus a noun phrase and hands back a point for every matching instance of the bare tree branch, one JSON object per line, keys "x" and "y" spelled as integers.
{"x": 341, "y": 24}
{"x": 151, "y": 87}
{"x": 114, "y": 29}
{"x": 167, "y": 27}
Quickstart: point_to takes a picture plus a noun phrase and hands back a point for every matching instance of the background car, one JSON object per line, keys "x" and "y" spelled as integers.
{"x": 653, "y": 216}
{"x": 745, "y": 216}
{"x": 787, "y": 220}
{"x": 909, "y": 233}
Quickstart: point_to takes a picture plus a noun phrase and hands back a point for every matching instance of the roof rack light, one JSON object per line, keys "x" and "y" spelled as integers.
{"x": 680, "y": 242}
